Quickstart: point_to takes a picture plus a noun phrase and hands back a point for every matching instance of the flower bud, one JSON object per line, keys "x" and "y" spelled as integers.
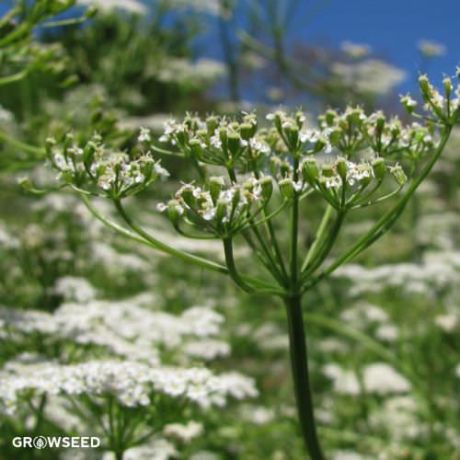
{"x": 25, "y": 183}
{"x": 286, "y": 187}
{"x": 68, "y": 141}
{"x": 284, "y": 168}
{"x": 266, "y": 185}
{"x": 425, "y": 86}
{"x": 341, "y": 166}
{"x": 233, "y": 142}
{"x": 195, "y": 147}
{"x": 330, "y": 117}
{"x": 186, "y": 193}
{"x": 247, "y": 131}
{"x": 212, "y": 123}
{"x": 236, "y": 198}
{"x": 300, "y": 118}
{"x": 181, "y": 137}
{"x": 215, "y": 187}
{"x": 408, "y": 103}
{"x": 327, "y": 171}
{"x": 310, "y": 170}
{"x": 292, "y": 135}
{"x": 398, "y": 174}
{"x": 88, "y": 153}
{"x": 223, "y": 135}
{"x": 380, "y": 123}
{"x": 380, "y": 168}
{"x": 174, "y": 211}
{"x": 447, "y": 83}
{"x": 49, "y": 144}
{"x": 221, "y": 210}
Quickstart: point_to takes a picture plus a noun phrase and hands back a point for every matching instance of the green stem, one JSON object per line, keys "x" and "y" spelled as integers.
{"x": 325, "y": 246}
{"x": 204, "y": 263}
{"x": 301, "y": 377}
{"x": 294, "y": 233}
{"x": 13, "y": 78}
{"x": 319, "y": 236}
{"x": 228, "y": 248}
{"x": 39, "y": 152}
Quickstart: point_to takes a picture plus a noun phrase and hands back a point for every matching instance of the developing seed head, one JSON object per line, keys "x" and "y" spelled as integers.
{"x": 310, "y": 170}
{"x": 408, "y": 103}
{"x": 380, "y": 168}
{"x": 233, "y": 143}
{"x": 215, "y": 187}
{"x": 327, "y": 170}
{"x": 287, "y": 189}
{"x": 398, "y": 174}
{"x": 266, "y": 185}
{"x": 425, "y": 85}
{"x": 341, "y": 167}
{"x": 448, "y": 87}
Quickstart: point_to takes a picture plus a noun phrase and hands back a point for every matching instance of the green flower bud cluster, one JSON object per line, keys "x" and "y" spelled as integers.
{"x": 353, "y": 134}
{"x": 217, "y": 208}
{"x": 345, "y": 184}
{"x": 95, "y": 169}
{"x": 445, "y": 106}
{"x": 218, "y": 140}
{"x": 296, "y": 138}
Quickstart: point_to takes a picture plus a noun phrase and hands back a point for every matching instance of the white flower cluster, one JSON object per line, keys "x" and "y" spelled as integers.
{"x": 157, "y": 449}
{"x": 377, "y": 378}
{"x": 366, "y": 316}
{"x": 182, "y": 71}
{"x": 364, "y": 151}
{"x": 431, "y": 49}
{"x": 371, "y": 76}
{"x": 398, "y": 416}
{"x": 75, "y": 288}
{"x": 132, "y": 383}
{"x": 201, "y": 6}
{"x": 218, "y": 208}
{"x": 115, "y": 174}
{"x": 125, "y": 328}
{"x": 435, "y": 272}
{"x": 130, "y": 6}
{"x": 184, "y": 433}
{"x": 355, "y": 50}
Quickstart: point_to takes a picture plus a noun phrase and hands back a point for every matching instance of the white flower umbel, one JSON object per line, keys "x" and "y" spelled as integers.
{"x": 370, "y": 76}
{"x": 381, "y": 378}
{"x": 132, "y": 384}
{"x": 157, "y": 449}
{"x": 130, "y": 6}
{"x": 184, "y": 433}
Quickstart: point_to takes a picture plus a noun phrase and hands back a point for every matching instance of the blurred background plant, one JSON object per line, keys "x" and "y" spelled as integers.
{"x": 74, "y": 293}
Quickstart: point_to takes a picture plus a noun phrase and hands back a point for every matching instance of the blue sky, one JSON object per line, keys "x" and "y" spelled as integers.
{"x": 391, "y": 27}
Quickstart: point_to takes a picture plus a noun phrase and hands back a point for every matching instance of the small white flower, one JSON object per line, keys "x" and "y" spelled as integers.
{"x": 144, "y": 135}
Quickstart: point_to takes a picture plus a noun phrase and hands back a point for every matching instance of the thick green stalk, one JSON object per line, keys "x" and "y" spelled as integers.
{"x": 301, "y": 377}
